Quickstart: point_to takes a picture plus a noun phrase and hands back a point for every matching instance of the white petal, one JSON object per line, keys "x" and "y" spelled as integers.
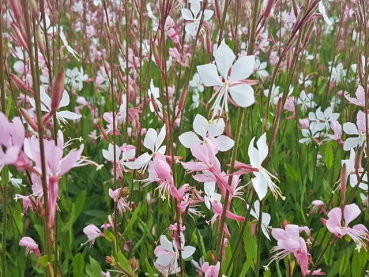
{"x": 65, "y": 100}
{"x": 200, "y": 125}
{"x": 150, "y": 139}
{"x": 191, "y": 29}
{"x": 164, "y": 260}
{"x": 128, "y": 155}
{"x": 350, "y": 143}
{"x": 216, "y": 128}
{"x": 166, "y": 243}
{"x": 224, "y": 58}
{"x": 260, "y": 185}
{"x": 195, "y": 7}
{"x": 208, "y": 14}
{"x": 160, "y": 138}
{"x": 242, "y": 68}
{"x": 262, "y": 147}
{"x": 350, "y": 128}
{"x": 188, "y": 139}
{"x": 188, "y": 251}
{"x": 186, "y": 14}
{"x": 107, "y": 155}
{"x": 253, "y": 154}
{"x": 242, "y": 95}
{"x": 209, "y": 75}
{"x": 224, "y": 143}
{"x": 68, "y": 115}
{"x": 140, "y": 162}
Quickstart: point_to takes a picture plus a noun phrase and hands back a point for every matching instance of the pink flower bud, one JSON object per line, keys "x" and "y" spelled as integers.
{"x": 57, "y": 90}
{"x": 16, "y": 9}
{"x": 343, "y": 179}
{"x": 269, "y": 8}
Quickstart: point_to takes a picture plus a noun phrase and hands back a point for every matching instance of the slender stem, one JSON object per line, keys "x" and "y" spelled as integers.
{"x": 34, "y": 73}
{"x": 237, "y": 139}
{"x": 260, "y": 220}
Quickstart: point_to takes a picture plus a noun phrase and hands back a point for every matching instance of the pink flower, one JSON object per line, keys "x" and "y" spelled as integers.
{"x": 120, "y": 199}
{"x": 359, "y": 233}
{"x": 11, "y": 140}
{"x": 31, "y": 246}
{"x": 360, "y": 97}
{"x": 92, "y": 233}
{"x": 210, "y": 270}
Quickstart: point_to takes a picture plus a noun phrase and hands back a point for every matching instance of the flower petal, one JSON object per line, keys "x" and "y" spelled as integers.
{"x": 242, "y": 68}
{"x": 242, "y": 95}
{"x": 188, "y": 139}
{"x": 209, "y": 75}
{"x": 224, "y": 58}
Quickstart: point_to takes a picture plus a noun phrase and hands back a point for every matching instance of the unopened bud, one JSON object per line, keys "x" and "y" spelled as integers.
{"x": 134, "y": 264}
{"x": 110, "y": 260}
{"x": 57, "y": 90}
{"x": 34, "y": 8}
{"x": 40, "y": 42}
{"x": 29, "y": 120}
{"x": 16, "y": 9}
{"x": 269, "y": 8}
{"x": 124, "y": 192}
{"x": 182, "y": 99}
{"x": 217, "y": 9}
{"x": 208, "y": 43}
{"x": 18, "y": 81}
{"x": 156, "y": 55}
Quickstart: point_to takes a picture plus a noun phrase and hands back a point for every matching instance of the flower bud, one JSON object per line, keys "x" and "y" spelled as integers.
{"x": 57, "y": 90}
{"x": 269, "y": 8}
{"x": 358, "y": 158}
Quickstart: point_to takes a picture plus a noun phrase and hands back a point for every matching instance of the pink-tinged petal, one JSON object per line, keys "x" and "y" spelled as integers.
{"x": 242, "y": 95}
{"x": 28, "y": 242}
{"x": 279, "y": 234}
{"x": 290, "y": 245}
{"x": 224, "y": 143}
{"x": 209, "y": 75}
{"x": 242, "y": 68}
{"x": 191, "y": 29}
{"x": 200, "y": 125}
{"x": 293, "y": 231}
{"x": 128, "y": 155}
{"x": 11, "y": 155}
{"x": 234, "y": 216}
{"x": 361, "y": 228}
{"x": 260, "y": 185}
{"x": 68, "y": 115}
{"x": 165, "y": 243}
{"x": 350, "y": 128}
{"x": 202, "y": 178}
{"x": 208, "y": 14}
{"x": 262, "y": 147}
{"x": 150, "y": 139}
{"x": 334, "y": 220}
{"x": 53, "y": 156}
{"x": 360, "y": 94}
{"x": 160, "y": 138}
{"x": 350, "y": 212}
{"x": 188, "y": 139}
{"x": 186, "y": 14}
{"x": 140, "y": 162}
{"x": 53, "y": 197}
{"x": 194, "y": 166}
{"x": 17, "y": 131}
{"x": 188, "y": 251}
{"x": 224, "y": 58}
{"x": 70, "y": 160}
{"x": 165, "y": 259}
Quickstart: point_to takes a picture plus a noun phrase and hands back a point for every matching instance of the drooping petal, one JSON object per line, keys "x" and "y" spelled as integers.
{"x": 242, "y": 95}
{"x": 262, "y": 147}
{"x": 140, "y": 162}
{"x": 188, "y": 251}
{"x": 160, "y": 138}
{"x": 260, "y": 185}
{"x": 242, "y": 68}
{"x": 68, "y": 115}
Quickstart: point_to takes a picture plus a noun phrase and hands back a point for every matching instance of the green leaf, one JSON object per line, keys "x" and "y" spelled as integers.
{"x": 292, "y": 174}
{"x": 93, "y": 269}
{"x": 123, "y": 262}
{"x": 134, "y": 218}
{"x": 344, "y": 262}
{"x": 44, "y": 261}
{"x": 80, "y": 203}
{"x": 328, "y": 156}
{"x": 78, "y": 265}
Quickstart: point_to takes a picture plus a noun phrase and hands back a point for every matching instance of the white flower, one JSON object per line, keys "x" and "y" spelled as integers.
{"x": 204, "y": 128}
{"x": 262, "y": 179}
{"x": 265, "y": 220}
{"x": 259, "y": 69}
{"x": 321, "y": 121}
{"x": 350, "y": 129}
{"x": 351, "y": 171}
{"x": 195, "y": 83}
{"x": 153, "y": 142}
{"x": 210, "y": 194}
{"x": 240, "y": 90}
{"x": 75, "y": 78}
{"x": 194, "y": 15}
{"x": 306, "y": 101}
{"x": 154, "y": 91}
{"x": 167, "y": 253}
{"x": 324, "y": 14}
{"x": 46, "y": 106}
